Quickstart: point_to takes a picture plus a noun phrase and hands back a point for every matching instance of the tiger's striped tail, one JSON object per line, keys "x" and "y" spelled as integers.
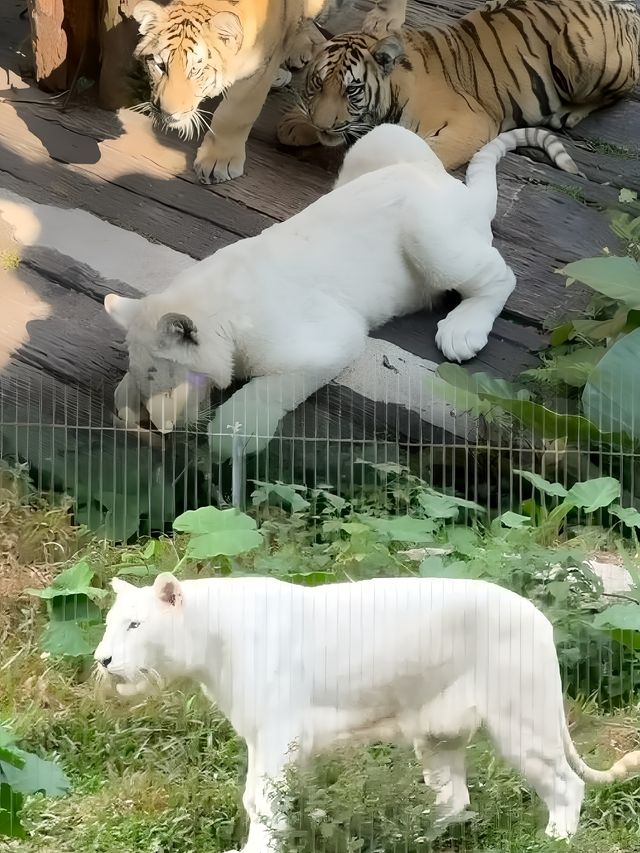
{"x": 481, "y": 172}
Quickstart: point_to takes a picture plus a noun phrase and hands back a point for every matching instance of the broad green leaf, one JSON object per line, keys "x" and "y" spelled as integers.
{"x": 463, "y": 540}
{"x": 10, "y": 756}
{"x": 614, "y": 277}
{"x": 438, "y": 506}
{"x": 71, "y": 639}
{"x": 480, "y": 383}
{"x": 611, "y": 398}
{"x": 228, "y": 543}
{"x": 627, "y": 514}
{"x": 138, "y": 571}
{"x": 287, "y": 494}
{"x": 402, "y": 529}
{"x": 311, "y": 578}
{"x": 514, "y": 520}
{"x": 623, "y": 616}
{"x": 209, "y": 519}
{"x": 72, "y": 581}
{"x": 594, "y": 494}
{"x": 352, "y": 528}
{"x": 75, "y": 608}
{"x": 10, "y": 807}
{"x": 36, "y": 776}
{"x": 555, "y": 489}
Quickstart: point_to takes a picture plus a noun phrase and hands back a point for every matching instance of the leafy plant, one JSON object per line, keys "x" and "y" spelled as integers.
{"x": 23, "y": 773}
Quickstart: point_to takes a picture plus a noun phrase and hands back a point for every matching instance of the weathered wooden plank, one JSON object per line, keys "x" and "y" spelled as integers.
{"x": 29, "y": 137}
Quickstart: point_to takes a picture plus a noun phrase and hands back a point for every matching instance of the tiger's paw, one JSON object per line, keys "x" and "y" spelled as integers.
{"x": 282, "y": 78}
{"x": 303, "y": 47}
{"x": 218, "y": 161}
{"x": 379, "y": 23}
{"x": 294, "y": 129}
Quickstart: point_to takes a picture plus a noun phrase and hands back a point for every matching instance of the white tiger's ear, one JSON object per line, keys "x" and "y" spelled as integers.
{"x": 148, "y": 14}
{"x": 118, "y": 585}
{"x": 121, "y": 309}
{"x": 168, "y": 590}
{"x": 387, "y": 52}
{"x": 229, "y": 27}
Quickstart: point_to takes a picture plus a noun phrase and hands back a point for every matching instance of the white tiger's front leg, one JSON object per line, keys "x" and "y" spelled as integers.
{"x": 266, "y": 762}
{"x": 387, "y": 16}
{"x": 255, "y": 411}
{"x": 465, "y": 330}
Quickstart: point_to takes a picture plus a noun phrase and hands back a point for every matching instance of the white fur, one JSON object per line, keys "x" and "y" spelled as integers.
{"x": 292, "y": 307}
{"x": 298, "y": 669}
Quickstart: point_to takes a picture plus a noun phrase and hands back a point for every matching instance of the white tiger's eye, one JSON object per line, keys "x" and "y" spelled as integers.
{"x": 157, "y": 60}
{"x": 133, "y": 625}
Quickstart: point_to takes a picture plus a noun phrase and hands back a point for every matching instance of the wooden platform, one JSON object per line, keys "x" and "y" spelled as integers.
{"x": 72, "y": 157}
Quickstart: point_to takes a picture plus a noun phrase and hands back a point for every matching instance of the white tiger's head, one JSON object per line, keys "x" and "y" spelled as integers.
{"x": 146, "y": 641}
{"x": 190, "y": 52}
{"x": 171, "y": 364}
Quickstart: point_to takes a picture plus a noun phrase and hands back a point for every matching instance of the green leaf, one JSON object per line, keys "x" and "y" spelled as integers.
{"x": 36, "y": 776}
{"x": 403, "y": 529}
{"x": 139, "y": 571}
{"x": 626, "y": 196}
{"x": 555, "y": 489}
{"x": 594, "y": 494}
{"x": 72, "y": 581}
{"x": 10, "y": 756}
{"x": 610, "y": 398}
{"x": 435, "y": 567}
{"x": 438, "y": 506}
{"x": 627, "y": 514}
{"x": 623, "y": 616}
{"x": 287, "y": 494}
{"x": 218, "y": 532}
{"x": 480, "y": 383}
{"x": 227, "y": 543}
{"x": 74, "y": 608}
{"x": 10, "y": 807}
{"x": 71, "y": 639}
{"x": 209, "y": 519}
{"x": 514, "y": 520}
{"x": 463, "y": 540}
{"x": 311, "y": 578}
{"x": 614, "y": 277}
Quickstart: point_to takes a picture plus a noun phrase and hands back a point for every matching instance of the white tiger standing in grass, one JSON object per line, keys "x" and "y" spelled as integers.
{"x": 298, "y": 669}
{"x": 291, "y": 308}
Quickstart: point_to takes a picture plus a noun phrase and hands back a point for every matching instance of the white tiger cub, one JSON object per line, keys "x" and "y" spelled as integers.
{"x": 298, "y": 670}
{"x": 291, "y": 308}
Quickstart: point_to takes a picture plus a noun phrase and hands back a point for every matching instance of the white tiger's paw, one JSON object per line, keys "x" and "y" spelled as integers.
{"x": 462, "y": 335}
{"x": 218, "y": 161}
{"x": 282, "y": 78}
{"x": 379, "y": 23}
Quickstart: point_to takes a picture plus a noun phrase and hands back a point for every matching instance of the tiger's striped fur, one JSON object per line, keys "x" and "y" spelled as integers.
{"x": 196, "y": 49}
{"x": 510, "y": 63}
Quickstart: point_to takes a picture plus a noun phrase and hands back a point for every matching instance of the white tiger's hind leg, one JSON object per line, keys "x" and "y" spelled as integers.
{"x": 444, "y": 772}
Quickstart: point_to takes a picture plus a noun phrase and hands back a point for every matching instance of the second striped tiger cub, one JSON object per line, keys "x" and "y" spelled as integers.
{"x": 507, "y": 64}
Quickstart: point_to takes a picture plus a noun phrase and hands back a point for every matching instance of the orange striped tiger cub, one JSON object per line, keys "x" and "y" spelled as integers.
{"x": 507, "y": 64}
{"x": 196, "y": 49}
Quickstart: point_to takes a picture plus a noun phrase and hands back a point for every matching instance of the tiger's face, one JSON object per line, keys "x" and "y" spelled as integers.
{"x": 348, "y": 87}
{"x": 188, "y": 51}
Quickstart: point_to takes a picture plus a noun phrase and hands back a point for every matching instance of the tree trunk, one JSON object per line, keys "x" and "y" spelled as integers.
{"x": 118, "y": 36}
{"x": 64, "y": 39}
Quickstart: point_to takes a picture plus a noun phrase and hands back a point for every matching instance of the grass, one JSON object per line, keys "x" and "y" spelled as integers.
{"x": 163, "y": 776}
{"x": 9, "y": 260}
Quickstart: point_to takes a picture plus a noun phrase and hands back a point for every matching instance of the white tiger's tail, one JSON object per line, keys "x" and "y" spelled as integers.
{"x": 481, "y": 172}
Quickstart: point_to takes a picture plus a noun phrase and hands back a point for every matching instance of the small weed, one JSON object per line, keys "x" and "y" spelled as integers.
{"x": 599, "y": 146}
{"x": 9, "y": 260}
